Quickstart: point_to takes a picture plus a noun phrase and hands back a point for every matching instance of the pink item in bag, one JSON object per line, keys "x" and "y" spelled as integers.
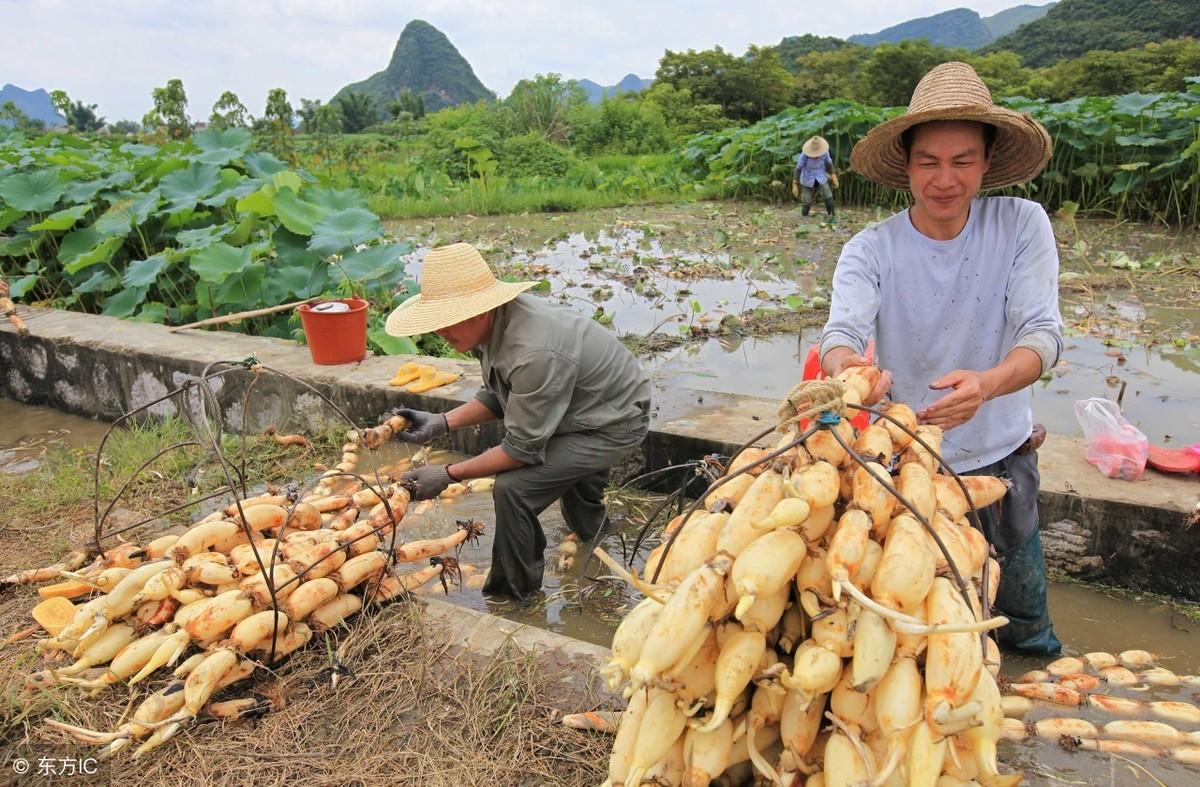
{"x": 1115, "y": 446}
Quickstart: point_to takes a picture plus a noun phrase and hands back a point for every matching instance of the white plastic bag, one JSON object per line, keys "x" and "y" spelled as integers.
{"x": 1115, "y": 446}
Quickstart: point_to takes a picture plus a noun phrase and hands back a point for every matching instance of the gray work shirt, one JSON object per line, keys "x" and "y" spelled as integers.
{"x": 549, "y": 370}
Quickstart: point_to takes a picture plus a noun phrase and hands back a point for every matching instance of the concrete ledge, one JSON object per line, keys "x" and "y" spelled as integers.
{"x": 486, "y": 635}
{"x": 1134, "y": 534}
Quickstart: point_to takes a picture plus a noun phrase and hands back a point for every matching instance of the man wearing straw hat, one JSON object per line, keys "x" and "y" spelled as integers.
{"x": 573, "y": 401}
{"x": 814, "y": 169}
{"x": 960, "y": 294}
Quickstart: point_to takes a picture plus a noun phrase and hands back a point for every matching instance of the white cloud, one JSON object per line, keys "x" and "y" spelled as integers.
{"x": 114, "y": 52}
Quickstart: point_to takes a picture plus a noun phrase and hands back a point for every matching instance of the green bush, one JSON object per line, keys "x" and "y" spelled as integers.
{"x": 532, "y": 155}
{"x": 621, "y": 124}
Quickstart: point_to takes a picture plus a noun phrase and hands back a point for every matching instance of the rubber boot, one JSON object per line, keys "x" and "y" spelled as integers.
{"x": 805, "y": 209}
{"x": 829, "y": 208}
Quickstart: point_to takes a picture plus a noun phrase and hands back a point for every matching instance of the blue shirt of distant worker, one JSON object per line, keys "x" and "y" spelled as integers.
{"x": 814, "y": 169}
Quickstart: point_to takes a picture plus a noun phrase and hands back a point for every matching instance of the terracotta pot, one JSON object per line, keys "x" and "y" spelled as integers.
{"x": 335, "y": 337}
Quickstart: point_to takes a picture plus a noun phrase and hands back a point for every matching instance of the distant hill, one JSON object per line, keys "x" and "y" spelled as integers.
{"x": 425, "y": 62}
{"x": 1074, "y": 27}
{"x": 792, "y": 48}
{"x": 959, "y": 27}
{"x": 630, "y": 83}
{"x": 34, "y": 103}
{"x": 1010, "y": 19}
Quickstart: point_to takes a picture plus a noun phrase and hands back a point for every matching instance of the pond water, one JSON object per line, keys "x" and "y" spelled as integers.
{"x": 35, "y": 430}
{"x": 674, "y": 271}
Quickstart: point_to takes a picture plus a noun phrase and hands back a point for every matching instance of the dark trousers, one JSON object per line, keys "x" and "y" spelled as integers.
{"x": 575, "y": 472}
{"x": 806, "y": 197}
{"x": 1011, "y": 526}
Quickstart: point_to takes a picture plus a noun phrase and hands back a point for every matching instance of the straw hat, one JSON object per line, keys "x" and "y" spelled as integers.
{"x": 953, "y": 91}
{"x": 815, "y": 147}
{"x": 456, "y": 285}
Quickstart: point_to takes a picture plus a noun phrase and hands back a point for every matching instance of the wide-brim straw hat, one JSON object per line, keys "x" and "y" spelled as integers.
{"x": 456, "y": 285}
{"x": 953, "y": 91}
{"x": 815, "y": 147}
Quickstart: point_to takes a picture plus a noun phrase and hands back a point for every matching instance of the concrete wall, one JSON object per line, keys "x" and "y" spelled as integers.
{"x": 1135, "y": 534}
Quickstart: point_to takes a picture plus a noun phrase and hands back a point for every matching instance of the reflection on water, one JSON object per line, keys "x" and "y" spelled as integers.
{"x": 643, "y": 284}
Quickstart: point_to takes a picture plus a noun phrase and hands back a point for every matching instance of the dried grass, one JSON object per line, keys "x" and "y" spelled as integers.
{"x": 412, "y": 707}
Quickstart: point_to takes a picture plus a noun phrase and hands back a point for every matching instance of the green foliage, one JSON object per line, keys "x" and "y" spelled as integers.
{"x": 543, "y": 105}
{"x": 126, "y": 127}
{"x": 11, "y": 114}
{"x": 1135, "y": 155}
{"x": 683, "y": 113}
{"x": 1074, "y": 27}
{"x": 229, "y": 112}
{"x": 1154, "y": 67}
{"x": 79, "y": 116}
{"x": 275, "y": 129}
{"x": 746, "y": 88}
{"x": 358, "y": 111}
{"x": 532, "y": 155}
{"x": 622, "y": 124}
{"x": 425, "y": 63}
{"x": 409, "y": 102}
{"x": 792, "y": 48}
{"x": 169, "y": 117}
{"x": 893, "y": 70}
{"x": 182, "y": 231}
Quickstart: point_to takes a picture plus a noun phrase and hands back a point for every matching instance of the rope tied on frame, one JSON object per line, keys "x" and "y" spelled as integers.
{"x": 810, "y": 398}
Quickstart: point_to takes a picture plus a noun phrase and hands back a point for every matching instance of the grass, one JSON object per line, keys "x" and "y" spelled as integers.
{"x": 50, "y": 509}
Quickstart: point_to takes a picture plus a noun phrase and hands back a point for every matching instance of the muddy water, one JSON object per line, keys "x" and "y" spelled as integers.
{"x": 1162, "y": 384}
{"x": 35, "y": 430}
{"x": 665, "y": 270}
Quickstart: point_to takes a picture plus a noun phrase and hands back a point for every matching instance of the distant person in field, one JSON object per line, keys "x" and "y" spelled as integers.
{"x": 814, "y": 170}
{"x": 573, "y": 401}
{"x": 960, "y": 294}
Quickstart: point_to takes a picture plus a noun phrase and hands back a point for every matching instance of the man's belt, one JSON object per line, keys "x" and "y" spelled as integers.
{"x": 1033, "y": 442}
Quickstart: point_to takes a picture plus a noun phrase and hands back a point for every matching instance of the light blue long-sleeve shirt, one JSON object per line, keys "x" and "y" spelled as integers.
{"x": 936, "y": 306}
{"x": 812, "y": 170}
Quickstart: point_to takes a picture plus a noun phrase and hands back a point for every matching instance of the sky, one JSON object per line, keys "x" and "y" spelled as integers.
{"x": 114, "y": 52}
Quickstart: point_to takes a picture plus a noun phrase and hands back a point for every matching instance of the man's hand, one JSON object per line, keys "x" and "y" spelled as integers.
{"x": 430, "y": 481}
{"x": 839, "y": 359}
{"x": 960, "y": 405}
{"x": 423, "y": 427}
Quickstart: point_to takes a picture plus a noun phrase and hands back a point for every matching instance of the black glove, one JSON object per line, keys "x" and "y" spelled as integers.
{"x": 423, "y": 427}
{"x": 430, "y": 481}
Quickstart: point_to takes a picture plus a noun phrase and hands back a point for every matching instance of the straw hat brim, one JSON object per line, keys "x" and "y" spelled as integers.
{"x": 419, "y": 315}
{"x": 1020, "y": 153}
{"x": 813, "y": 150}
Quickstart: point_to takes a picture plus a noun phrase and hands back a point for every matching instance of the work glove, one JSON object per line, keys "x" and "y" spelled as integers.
{"x": 833, "y": 179}
{"x": 795, "y": 187}
{"x": 423, "y": 427}
{"x": 429, "y": 481}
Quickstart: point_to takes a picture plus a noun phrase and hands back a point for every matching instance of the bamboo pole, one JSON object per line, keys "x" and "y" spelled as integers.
{"x": 224, "y": 318}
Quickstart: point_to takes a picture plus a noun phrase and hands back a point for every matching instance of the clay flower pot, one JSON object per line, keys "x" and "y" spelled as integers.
{"x": 336, "y": 330}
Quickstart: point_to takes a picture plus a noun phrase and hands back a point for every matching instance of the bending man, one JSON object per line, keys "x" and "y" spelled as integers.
{"x": 573, "y": 400}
